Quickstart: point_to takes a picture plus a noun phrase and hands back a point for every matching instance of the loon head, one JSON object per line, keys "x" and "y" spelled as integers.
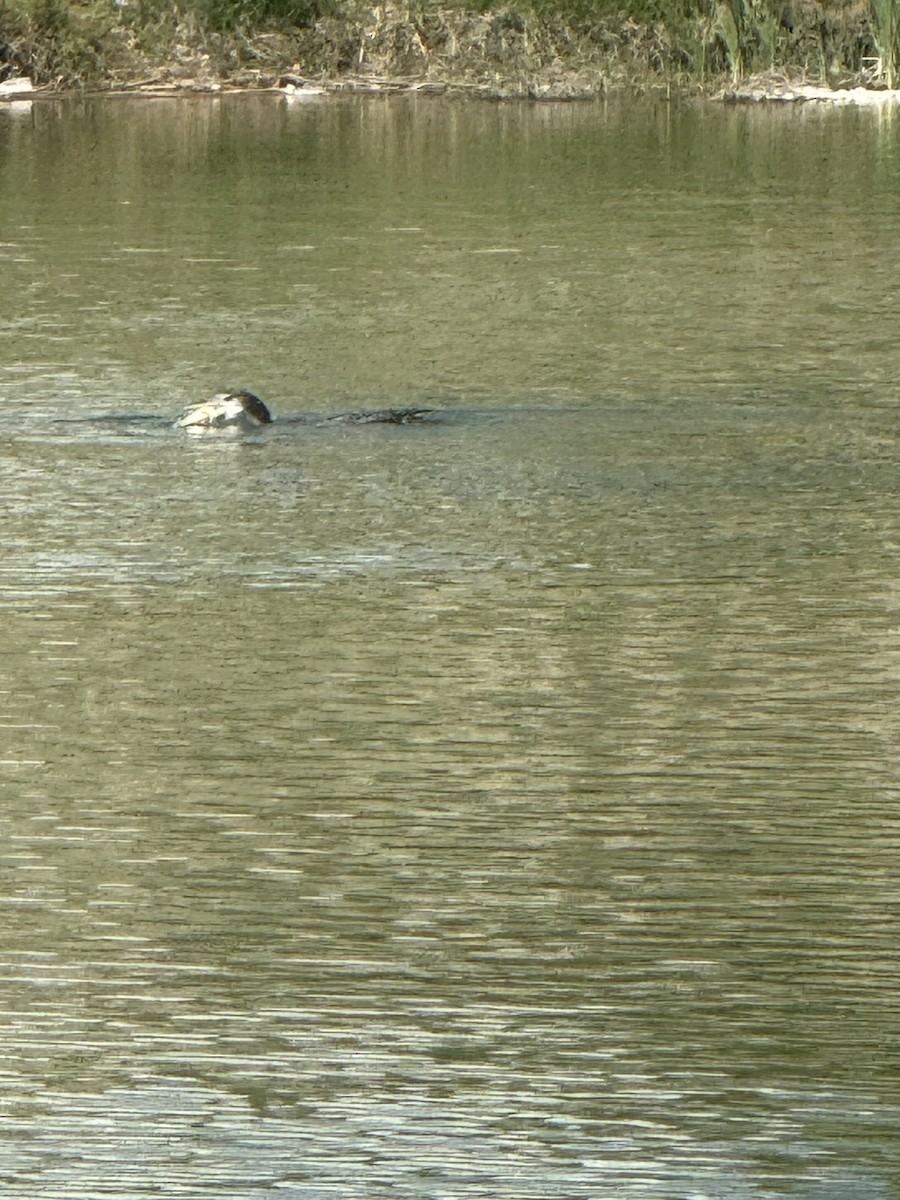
{"x": 227, "y": 408}
{"x": 252, "y": 406}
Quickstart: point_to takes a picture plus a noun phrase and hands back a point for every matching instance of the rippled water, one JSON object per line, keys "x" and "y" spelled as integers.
{"x": 501, "y": 806}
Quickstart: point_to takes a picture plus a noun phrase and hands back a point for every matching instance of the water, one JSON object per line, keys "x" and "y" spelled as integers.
{"x": 503, "y": 806}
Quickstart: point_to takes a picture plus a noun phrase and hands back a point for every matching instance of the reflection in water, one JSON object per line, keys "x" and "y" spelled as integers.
{"x": 501, "y": 806}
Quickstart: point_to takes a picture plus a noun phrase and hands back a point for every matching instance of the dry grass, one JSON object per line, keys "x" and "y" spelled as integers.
{"x": 508, "y": 51}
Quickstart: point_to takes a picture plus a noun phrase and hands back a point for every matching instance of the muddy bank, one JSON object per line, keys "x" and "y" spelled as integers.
{"x": 499, "y": 53}
{"x": 784, "y": 91}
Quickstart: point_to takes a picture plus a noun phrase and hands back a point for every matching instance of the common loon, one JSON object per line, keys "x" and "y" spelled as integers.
{"x": 227, "y": 408}
{"x": 247, "y": 411}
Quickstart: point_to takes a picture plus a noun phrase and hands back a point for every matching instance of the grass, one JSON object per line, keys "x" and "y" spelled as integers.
{"x": 526, "y": 43}
{"x": 886, "y": 34}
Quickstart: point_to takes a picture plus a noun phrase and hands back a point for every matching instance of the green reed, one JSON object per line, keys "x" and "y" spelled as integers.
{"x": 886, "y": 35}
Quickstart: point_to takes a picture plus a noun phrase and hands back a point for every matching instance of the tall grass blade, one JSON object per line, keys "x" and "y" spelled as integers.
{"x": 886, "y": 32}
{"x": 727, "y": 27}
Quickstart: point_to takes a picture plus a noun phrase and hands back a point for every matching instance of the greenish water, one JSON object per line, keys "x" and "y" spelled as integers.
{"x": 505, "y": 806}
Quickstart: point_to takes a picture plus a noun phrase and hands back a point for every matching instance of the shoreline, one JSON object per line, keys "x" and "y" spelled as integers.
{"x": 18, "y": 89}
{"x": 494, "y": 54}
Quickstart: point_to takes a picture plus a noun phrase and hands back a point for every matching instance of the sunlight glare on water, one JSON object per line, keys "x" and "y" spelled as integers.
{"x": 501, "y": 805}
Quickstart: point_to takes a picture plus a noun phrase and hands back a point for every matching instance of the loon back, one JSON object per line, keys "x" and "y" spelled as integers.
{"x": 383, "y": 416}
{"x": 227, "y": 408}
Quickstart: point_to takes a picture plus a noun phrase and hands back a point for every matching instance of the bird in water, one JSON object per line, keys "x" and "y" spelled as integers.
{"x": 227, "y": 409}
{"x": 245, "y": 411}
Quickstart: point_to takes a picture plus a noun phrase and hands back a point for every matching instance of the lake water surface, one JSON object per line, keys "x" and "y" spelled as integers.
{"x": 503, "y": 806}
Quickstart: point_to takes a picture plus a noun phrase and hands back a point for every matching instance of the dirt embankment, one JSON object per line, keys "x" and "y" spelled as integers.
{"x": 498, "y": 53}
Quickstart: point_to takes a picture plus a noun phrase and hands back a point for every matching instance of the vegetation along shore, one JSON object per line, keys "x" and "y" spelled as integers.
{"x": 552, "y": 49}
